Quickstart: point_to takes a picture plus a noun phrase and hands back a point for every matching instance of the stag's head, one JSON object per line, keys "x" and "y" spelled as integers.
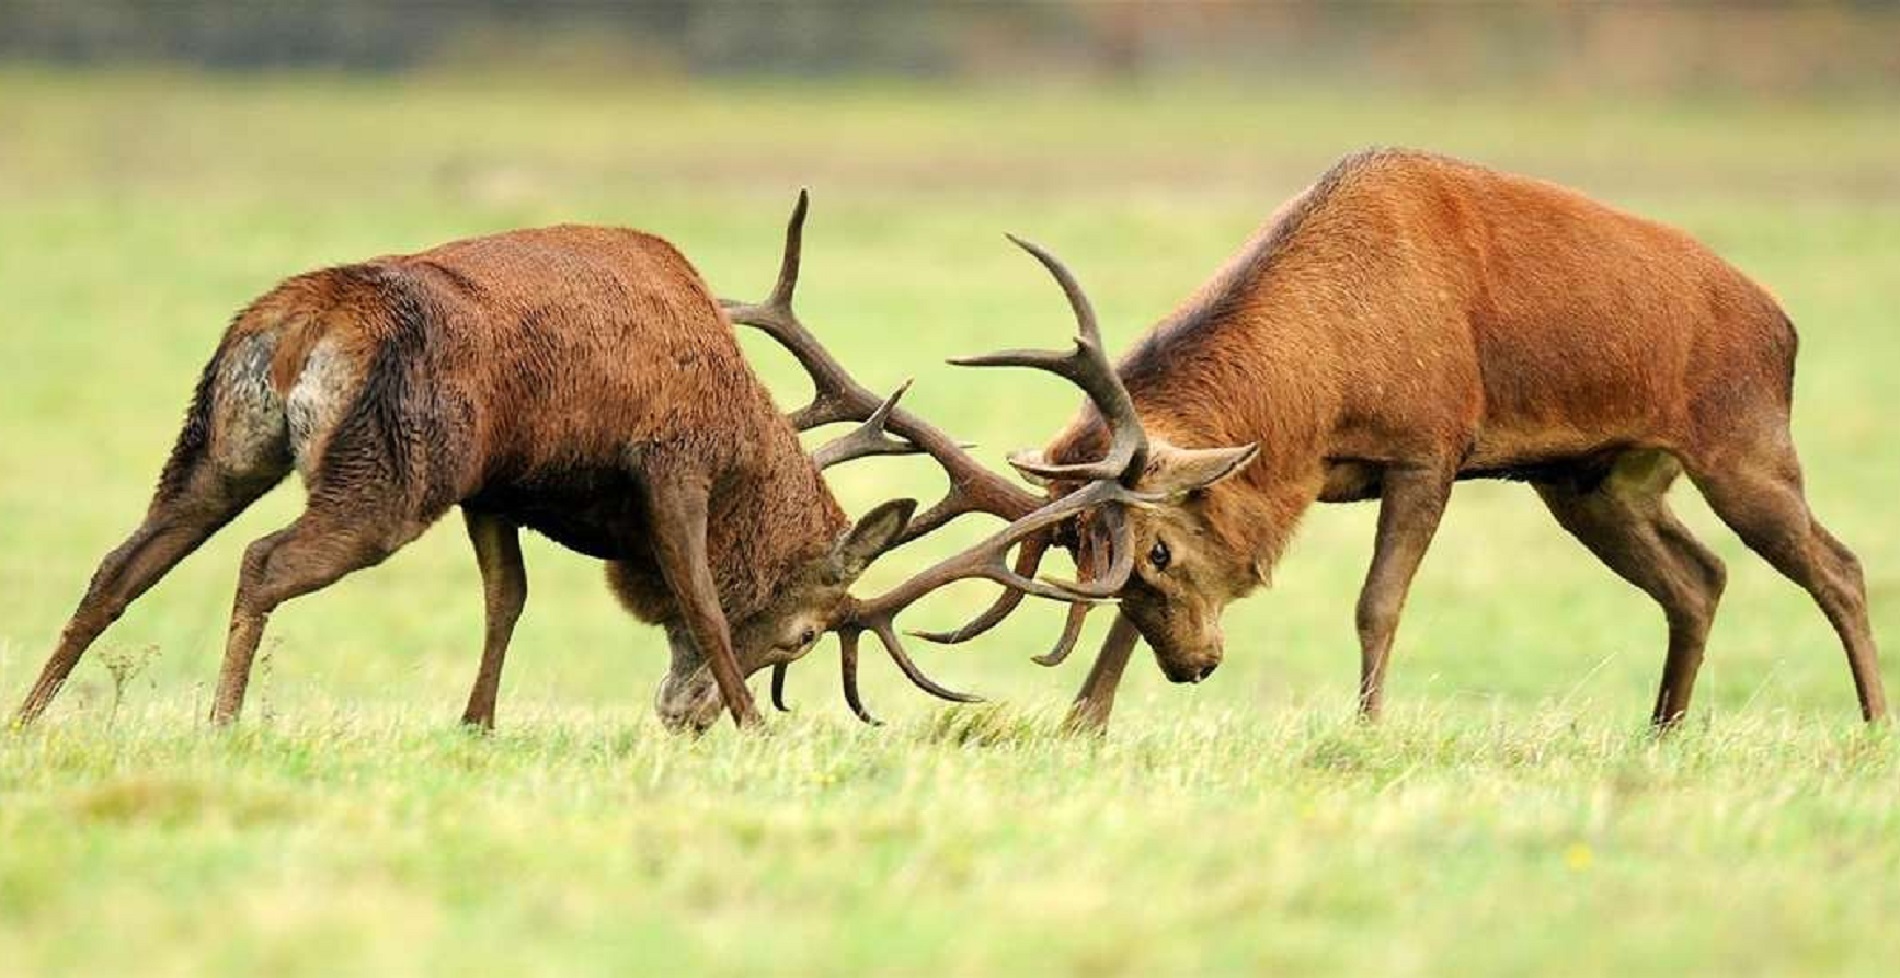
{"x": 1184, "y": 571}
{"x": 1150, "y": 534}
{"x": 812, "y": 599}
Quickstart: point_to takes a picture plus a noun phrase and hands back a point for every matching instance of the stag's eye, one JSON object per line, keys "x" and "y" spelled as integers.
{"x": 1159, "y": 556}
{"x": 800, "y": 642}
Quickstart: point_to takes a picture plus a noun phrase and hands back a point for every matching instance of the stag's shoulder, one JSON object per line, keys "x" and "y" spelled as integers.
{"x": 1402, "y": 172}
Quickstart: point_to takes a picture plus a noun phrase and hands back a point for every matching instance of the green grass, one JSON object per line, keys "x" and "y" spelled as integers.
{"x": 1510, "y": 817}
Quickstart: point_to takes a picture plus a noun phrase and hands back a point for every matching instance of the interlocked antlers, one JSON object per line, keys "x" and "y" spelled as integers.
{"x": 973, "y": 488}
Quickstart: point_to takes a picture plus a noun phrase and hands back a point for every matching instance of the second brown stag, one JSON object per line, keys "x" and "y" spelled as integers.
{"x": 577, "y": 381}
{"x": 1410, "y": 321}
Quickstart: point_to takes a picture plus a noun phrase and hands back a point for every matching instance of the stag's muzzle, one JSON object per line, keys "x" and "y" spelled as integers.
{"x": 689, "y": 703}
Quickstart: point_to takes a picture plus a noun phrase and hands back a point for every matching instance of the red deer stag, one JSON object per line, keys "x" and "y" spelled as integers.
{"x": 1410, "y": 321}
{"x": 581, "y": 382}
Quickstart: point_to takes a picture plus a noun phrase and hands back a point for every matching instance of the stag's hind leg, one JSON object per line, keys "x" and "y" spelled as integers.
{"x": 323, "y": 545}
{"x": 1626, "y": 522}
{"x": 232, "y": 450}
{"x": 505, "y": 592}
{"x": 1757, "y": 491}
{"x": 175, "y": 525}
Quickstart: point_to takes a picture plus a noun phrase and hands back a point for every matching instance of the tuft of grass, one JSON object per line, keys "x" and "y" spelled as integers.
{"x": 124, "y": 666}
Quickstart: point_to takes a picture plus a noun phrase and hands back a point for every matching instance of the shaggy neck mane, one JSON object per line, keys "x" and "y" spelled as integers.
{"x": 775, "y": 516}
{"x": 1154, "y": 365}
{"x": 1191, "y": 391}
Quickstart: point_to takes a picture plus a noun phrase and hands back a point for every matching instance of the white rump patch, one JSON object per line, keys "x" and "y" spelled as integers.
{"x": 247, "y": 416}
{"x": 324, "y": 390}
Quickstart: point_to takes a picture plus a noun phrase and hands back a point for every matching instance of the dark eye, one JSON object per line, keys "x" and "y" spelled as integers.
{"x": 1159, "y": 556}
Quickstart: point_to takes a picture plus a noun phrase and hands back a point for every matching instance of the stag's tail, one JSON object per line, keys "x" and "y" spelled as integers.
{"x": 234, "y": 446}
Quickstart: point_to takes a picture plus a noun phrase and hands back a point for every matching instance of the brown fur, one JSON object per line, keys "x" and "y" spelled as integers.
{"x": 577, "y": 381}
{"x": 1412, "y": 320}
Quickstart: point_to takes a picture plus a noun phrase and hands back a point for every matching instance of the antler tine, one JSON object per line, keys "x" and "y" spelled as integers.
{"x": 1109, "y": 561}
{"x": 1085, "y": 323}
{"x": 1028, "y": 559}
{"x": 1088, "y": 367}
{"x": 868, "y": 438}
{"x": 1071, "y": 631}
{"x": 1105, "y": 577}
{"x": 1107, "y": 582}
{"x": 888, "y": 636}
{"x": 848, "y": 668}
{"x": 778, "y": 686}
{"x": 989, "y": 559}
{"x": 777, "y": 306}
{"x": 838, "y": 397}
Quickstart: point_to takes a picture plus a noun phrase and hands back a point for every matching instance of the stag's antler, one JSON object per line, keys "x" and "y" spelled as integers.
{"x": 1107, "y": 559}
{"x": 974, "y": 488}
{"x": 837, "y": 397}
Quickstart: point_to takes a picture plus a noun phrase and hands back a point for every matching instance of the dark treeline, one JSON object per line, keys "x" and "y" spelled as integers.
{"x": 1545, "y": 44}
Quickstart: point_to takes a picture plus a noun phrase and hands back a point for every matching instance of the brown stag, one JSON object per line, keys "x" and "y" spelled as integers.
{"x": 1410, "y": 321}
{"x": 578, "y": 381}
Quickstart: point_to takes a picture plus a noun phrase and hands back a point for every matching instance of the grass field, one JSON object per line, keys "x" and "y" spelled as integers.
{"x": 1511, "y": 816}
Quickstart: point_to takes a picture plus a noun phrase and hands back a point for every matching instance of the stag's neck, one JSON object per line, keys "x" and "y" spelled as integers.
{"x": 771, "y": 518}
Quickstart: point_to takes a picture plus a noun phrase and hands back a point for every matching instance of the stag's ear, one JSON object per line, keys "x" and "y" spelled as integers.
{"x": 1177, "y": 471}
{"x": 872, "y": 535}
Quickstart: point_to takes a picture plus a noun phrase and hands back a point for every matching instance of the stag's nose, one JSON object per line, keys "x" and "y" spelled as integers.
{"x": 1206, "y": 671}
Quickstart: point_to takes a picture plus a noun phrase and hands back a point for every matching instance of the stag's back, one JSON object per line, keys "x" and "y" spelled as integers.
{"x": 515, "y": 353}
{"x": 1408, "y": 298}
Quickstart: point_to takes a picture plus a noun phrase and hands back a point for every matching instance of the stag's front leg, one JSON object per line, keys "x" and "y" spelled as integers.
{"x": 1096, "y": 699}
{"x": 1412, "y": 504}
{"x": 504, "y": 592}
{"x": 678, "y": 507}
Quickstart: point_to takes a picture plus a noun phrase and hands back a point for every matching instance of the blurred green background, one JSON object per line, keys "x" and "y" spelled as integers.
{"x": 161, "y": 164}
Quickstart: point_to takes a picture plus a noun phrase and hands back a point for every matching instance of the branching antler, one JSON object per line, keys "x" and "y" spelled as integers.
{"x": 868, "y": 438}
{"x": 1087, "y": 367}
{"x": 837, "y": 396}
{"x": 987, "y": 560}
